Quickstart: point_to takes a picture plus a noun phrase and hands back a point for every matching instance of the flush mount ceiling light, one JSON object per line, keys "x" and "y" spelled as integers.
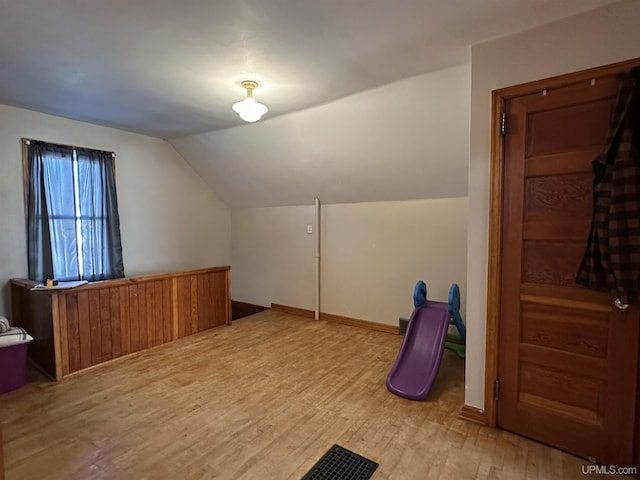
{"x": 248, "y": 109}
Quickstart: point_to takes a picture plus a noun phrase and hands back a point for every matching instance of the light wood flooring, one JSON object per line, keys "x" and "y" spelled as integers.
{"x": 263, "y": 399}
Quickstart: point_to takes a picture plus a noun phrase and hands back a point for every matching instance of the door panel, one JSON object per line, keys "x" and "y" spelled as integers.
{"x": 549, "y": 263}
{"x": 557, "y": 196}
{"x": 567, "y": 357}
{"x": 587, "y": 122}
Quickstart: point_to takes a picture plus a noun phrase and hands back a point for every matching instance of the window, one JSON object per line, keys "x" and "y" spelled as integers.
{"x": 72, "y": 214}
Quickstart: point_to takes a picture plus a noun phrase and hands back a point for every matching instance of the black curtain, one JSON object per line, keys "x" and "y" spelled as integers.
{"x": 40, "y": 261}
{"x": 102, "y": 246}
{"x": 73, "y": 222}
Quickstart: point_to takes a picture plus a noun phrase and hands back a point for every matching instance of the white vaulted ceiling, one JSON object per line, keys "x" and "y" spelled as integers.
{"x": 368, "y": 99}
{"x": 170, "y": 68}
{"x": 406, "y": 140}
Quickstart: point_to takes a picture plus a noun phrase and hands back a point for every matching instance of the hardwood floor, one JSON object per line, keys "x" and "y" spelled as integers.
{"x": 263, "y": 399}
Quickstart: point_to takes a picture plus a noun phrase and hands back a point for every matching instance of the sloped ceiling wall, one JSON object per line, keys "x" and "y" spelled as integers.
{"x": 406, "y": 140}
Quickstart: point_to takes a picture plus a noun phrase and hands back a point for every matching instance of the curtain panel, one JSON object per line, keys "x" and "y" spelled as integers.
{"x": 72, "y": 214}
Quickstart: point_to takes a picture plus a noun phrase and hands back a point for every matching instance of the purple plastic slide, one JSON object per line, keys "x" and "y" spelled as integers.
{"x": 419, "y": 359}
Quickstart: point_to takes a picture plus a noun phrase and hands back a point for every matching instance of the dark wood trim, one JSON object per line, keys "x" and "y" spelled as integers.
{"x": 301, "y": 312}
{"x": 566, "y": 79}
{"x": 495, "y": 258}
{"x": 329, "y": 317}
{"x": 499, "y": 97}
{"x": 33, "y": 313}
{"x": 354, "y": 322}
{"x": 473, "y": 414}
{"x": 244, "y": 309}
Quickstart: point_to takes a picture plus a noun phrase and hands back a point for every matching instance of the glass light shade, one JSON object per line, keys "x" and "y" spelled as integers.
{"x": 250, "y": 110}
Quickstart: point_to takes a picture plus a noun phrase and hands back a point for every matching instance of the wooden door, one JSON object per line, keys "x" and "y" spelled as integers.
{"x": 567, "y": 357}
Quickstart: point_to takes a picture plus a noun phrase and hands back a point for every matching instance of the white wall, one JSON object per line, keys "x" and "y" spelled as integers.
{"x": 273, "y": 256}
{"x": 599, "y": 37}
{"x": 372, "y": 255}
{"x": 404, "y": 145}
{"x": 406, "y": 140}
{"x": 169, "y": 218}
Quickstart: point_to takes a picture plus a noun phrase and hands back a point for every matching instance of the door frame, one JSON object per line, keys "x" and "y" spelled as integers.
{"x": 496, "y": 184}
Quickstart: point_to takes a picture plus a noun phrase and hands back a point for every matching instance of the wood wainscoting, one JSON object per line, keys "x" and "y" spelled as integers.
{"x": 78, "y": 328}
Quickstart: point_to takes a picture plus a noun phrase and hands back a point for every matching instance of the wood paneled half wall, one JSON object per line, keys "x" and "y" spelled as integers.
{"x": 80, "y": 327}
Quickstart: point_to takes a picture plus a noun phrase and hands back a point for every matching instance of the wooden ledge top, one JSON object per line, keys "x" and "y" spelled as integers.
{"x": 118, "y": 282}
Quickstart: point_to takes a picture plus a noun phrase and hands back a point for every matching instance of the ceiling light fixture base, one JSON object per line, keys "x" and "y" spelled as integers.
{"x": 249, "y": 84}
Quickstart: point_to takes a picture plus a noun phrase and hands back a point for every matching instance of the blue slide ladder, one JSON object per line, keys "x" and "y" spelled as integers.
{"x": 455, "y": 343}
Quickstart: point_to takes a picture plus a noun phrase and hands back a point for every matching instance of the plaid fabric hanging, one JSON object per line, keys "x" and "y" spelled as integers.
{"x": 612, "y": 258}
